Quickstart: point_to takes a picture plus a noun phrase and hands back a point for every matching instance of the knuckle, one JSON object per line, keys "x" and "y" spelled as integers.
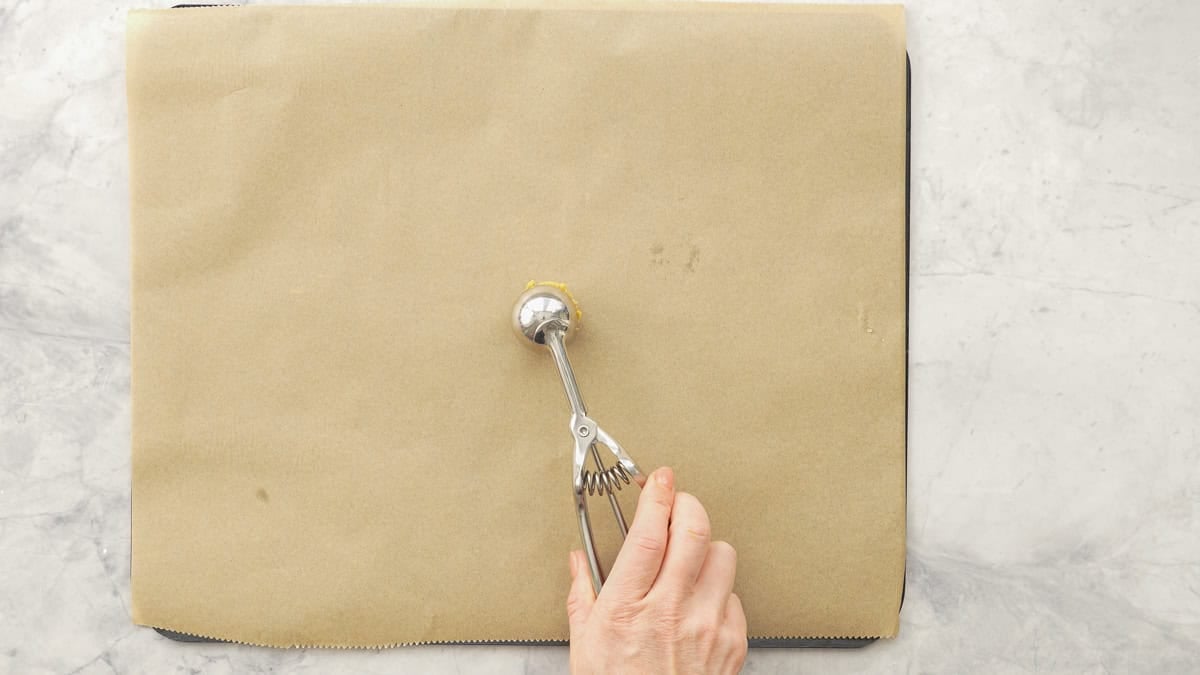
{"x": 665, "y": 626}
{"x": 671, "y": 601}
{"x": 622, "y": 615}
{"x": 738, "y": 644}
{"x": 668, "y": 605}
{"x": 698, "y": 531}
{"x": 575, "y": 605}
{"x": 650, "y": 542}
{"x": 669, "y": 619}
{"x": 704, "y": 632}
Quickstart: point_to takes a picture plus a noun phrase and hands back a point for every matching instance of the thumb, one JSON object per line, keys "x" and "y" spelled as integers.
{"x": 581, "y": 597}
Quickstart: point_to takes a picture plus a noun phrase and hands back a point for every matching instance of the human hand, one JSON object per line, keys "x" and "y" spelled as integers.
{"x": 668, "y": 605}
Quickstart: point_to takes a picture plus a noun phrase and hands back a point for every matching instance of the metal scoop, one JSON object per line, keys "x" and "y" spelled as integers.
{"x": 546, "y": 316}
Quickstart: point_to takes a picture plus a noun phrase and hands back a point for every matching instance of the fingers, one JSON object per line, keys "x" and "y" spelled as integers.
{"x": 641, "y": 555}
{"x": 581, "y": 597}
{"x": 687, "y": 546}
{"x": 715, "y": 582}
{"x": 735, "y": 625}
{"x": 735, "y": 615}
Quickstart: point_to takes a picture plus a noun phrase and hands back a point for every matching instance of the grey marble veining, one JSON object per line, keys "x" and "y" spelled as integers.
{"x": 1055, "y": 393}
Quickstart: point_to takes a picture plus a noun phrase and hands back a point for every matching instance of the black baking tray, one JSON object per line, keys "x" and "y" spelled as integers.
{"x": 808, "y": 643}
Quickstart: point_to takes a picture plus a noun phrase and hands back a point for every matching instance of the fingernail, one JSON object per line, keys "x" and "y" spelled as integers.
{"x": 571, "y": 562}
{"x": 665, "y": 477}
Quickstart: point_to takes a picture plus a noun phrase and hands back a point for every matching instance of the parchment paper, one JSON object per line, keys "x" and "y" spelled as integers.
{"x": 336, "y": 438}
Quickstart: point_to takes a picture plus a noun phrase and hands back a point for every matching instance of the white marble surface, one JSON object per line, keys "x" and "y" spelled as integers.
{"x": 1055, "y": 445}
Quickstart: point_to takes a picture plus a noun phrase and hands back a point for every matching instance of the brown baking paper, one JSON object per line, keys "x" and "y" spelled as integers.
{"x": 337, "y": 440}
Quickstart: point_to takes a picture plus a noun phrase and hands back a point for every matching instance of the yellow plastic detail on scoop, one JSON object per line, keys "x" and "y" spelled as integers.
{"x": 562, "y": 287}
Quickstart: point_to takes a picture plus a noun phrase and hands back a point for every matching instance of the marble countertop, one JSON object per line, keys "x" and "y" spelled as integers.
{"x": 1054, "y": 474}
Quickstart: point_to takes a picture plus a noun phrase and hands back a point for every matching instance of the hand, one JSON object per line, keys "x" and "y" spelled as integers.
{"x": 668, "y": 606}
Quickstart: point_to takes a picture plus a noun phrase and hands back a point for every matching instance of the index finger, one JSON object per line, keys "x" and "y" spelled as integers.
{"x": 641, "y": 555}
